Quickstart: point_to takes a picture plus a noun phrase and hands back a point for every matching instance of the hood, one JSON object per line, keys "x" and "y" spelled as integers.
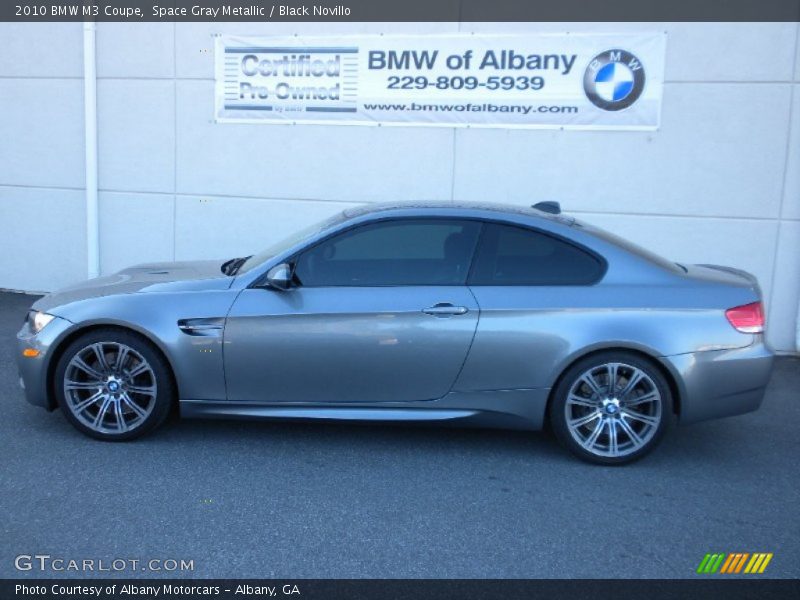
{"x": 146, "y": 278}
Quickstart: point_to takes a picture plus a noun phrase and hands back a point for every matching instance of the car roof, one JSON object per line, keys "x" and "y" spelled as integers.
{"x": 435, "y": 205}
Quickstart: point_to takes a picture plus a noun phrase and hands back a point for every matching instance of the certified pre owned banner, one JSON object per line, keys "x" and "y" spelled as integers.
{"x": 511, "y": 81}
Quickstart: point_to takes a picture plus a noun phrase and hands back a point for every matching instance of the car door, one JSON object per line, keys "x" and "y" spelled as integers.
{"x": 535, "y": 291}
{"x": 378, "y": 313}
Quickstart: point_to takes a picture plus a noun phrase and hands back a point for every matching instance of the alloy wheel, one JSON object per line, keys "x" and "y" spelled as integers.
{"x": 110, "y": 387}
{"x": 613, "y": 409}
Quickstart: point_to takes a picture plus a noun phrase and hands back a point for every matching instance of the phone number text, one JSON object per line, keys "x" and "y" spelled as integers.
{"x": 469, "y": 82}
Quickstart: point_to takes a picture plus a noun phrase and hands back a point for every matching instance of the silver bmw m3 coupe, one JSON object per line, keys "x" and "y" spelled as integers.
{"x": 475, "y": 314}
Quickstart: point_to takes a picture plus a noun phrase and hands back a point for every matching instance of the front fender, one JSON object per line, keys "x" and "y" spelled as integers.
{"x": 196, "y": 361}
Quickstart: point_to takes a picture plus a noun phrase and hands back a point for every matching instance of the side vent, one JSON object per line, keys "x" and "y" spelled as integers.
{"x": 209, "y": 327}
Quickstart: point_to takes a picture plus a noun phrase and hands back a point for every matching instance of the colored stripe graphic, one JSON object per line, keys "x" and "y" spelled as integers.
{"x": 740, "y": 564}
{"x": 710, "y": 563}
{"x": 702, "y": 567}
{"x": 758, "y": 563}
{"x": 734, "y": 562}
{"x": 727, "y": 564}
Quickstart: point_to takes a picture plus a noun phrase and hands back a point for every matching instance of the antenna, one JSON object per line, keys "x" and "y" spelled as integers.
{"x": 554, "y": 208}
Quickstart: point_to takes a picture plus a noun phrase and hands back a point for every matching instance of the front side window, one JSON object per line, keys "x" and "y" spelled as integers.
{"x": 511, "y": 255}
{"x": 392, "y": 253}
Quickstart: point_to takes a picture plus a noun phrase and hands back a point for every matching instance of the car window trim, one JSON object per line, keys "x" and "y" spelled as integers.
{"x": 260, "y": 282}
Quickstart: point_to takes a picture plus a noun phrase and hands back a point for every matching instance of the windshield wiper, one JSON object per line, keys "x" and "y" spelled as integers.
{"x": 232, "y": 266}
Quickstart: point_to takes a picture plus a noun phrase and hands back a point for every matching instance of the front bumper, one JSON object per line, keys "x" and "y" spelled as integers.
{"x": 722, "y": 383}
{"x": 33, "y": 370}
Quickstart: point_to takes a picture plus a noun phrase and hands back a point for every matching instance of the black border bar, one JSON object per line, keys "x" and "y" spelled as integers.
{"x": 402, "y": 10}
{"x": 707, "y": 588}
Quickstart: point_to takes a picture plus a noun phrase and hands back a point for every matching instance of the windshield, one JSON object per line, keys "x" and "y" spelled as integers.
{"x": 292, "y": 240}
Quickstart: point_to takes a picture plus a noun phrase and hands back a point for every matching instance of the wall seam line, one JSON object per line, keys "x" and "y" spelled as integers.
{"x": 782, "y": 200}
{"x": 453, "y": 171}
{"x": 666, "y": 81}
{"x": 351, "y": 201}
{"x": 174, "y": 140}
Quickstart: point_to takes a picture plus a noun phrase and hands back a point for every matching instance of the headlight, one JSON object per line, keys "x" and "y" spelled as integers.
{"x": 39, "y": 320}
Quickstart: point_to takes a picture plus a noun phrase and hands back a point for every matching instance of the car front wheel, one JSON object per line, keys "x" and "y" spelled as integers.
{"x": 113, "y": 385}
{"x": 611, "y": 408}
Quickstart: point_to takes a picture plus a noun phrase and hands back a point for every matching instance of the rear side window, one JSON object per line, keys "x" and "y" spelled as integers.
{"x": 510, "y": 255}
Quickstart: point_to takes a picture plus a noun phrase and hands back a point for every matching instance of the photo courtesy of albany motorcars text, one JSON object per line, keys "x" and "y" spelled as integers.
{"x": 474, "y": 314}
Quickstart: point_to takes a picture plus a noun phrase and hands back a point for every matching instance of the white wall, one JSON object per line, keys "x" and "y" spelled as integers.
{"x": 718, "y": 183}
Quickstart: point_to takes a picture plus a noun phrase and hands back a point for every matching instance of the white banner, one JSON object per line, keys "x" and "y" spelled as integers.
{"x": 576, "y": 81}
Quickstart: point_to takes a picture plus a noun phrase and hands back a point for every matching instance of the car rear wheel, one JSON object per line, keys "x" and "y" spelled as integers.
{"x": 113, "y": 385}
{"x": 611, "y": 408}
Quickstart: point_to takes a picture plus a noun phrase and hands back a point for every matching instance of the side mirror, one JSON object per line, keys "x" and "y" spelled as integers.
{"x": 280, "y": 277}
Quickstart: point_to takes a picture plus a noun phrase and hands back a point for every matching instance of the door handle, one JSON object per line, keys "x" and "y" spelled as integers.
{"x": 445, "y": 309}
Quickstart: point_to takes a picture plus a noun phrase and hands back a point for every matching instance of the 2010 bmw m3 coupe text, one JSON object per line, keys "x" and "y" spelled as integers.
{"x": 477, "y": 314}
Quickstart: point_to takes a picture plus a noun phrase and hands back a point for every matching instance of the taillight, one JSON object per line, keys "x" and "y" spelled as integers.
{"x": 748, "y": 318}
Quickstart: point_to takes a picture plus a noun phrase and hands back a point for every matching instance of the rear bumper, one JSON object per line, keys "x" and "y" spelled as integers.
{"x": 721, "y": 383}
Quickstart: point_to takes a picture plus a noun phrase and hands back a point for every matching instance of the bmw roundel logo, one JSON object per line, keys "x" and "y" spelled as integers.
{"x": 614, "y": 79}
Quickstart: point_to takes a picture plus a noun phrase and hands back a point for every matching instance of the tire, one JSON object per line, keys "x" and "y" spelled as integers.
{"x": 117, "y": 373}
{"x": 611, "y": 425}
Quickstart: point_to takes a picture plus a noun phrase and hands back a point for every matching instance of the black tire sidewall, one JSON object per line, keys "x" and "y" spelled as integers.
{"x": 165, "y": 387}
{"x": 557, "y": 415}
